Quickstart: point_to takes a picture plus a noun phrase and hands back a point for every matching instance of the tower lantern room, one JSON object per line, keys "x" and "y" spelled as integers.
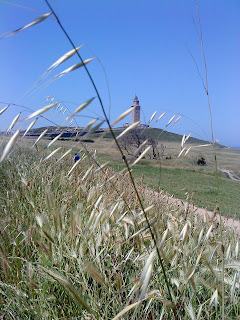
{"x": 136, "y": 111}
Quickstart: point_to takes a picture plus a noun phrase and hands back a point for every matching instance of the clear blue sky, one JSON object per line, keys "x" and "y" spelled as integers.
{"x": 143, "y": 48}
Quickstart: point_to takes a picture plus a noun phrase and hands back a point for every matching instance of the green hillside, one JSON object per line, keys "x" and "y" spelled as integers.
{"x": 160, "y": 135}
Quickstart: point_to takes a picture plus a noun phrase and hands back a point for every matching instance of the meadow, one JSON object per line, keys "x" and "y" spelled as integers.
{"x": 181, "y": 177}
{"x": 76, "y": 244}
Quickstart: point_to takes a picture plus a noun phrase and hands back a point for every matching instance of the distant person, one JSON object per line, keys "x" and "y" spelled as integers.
{"x": 76, "y": 158}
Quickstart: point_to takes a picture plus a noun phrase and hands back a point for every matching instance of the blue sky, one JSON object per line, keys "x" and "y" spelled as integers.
{"x": 143, "y": 47}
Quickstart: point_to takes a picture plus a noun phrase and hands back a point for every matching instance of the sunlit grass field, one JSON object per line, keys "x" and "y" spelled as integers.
{"x": 181, "y": 177}
{"x": 75, "y": 244}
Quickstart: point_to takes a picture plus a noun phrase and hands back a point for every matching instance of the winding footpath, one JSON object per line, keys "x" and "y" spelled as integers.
{"x": 231, "y": 175}
{"x": 206, "y": 215}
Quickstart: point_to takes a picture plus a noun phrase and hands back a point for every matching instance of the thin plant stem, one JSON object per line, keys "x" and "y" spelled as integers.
{"x": 126, "y": 163}
{"x": 214, "y": 150}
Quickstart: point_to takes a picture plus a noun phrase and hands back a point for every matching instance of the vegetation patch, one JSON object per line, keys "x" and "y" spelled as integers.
{"x": 75, "y": 243}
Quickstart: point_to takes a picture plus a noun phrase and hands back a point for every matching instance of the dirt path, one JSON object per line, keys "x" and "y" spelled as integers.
{"x": 231, "y": 175}
{"x": 203, "y": 213}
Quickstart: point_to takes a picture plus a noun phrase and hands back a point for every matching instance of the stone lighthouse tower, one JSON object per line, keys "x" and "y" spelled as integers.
{"x": 136, "y": 112}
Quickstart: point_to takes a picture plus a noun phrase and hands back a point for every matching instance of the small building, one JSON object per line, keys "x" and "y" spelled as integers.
{"x": 136, "y": 112}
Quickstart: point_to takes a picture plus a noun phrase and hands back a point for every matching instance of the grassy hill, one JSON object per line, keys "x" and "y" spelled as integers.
{"x": 155, "y": 133}
{"x": 159, "y": 134}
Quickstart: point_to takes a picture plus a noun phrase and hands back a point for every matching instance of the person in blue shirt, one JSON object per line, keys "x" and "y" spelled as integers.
{"x": 76, "y": 158}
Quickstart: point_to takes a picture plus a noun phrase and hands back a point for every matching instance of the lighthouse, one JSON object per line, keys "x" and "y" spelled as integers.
{"x": 136, "y": 111}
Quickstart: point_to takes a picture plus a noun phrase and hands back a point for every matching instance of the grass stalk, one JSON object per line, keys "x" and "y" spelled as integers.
{"x": 121, "y": 152}
{"x": 214, "y": 150}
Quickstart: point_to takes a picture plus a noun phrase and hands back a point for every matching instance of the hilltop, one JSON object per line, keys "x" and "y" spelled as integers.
{"x": 154, "y": 133}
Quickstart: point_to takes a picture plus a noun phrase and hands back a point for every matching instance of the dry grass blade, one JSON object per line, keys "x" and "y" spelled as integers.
{"x": 47, "y": 235}
{"x": 236, "y": 250}
{"x": 65, "y": 57}
{"x": 98, "y": 201}
{"x": 228, "y": 253}
{"x": 122, "y": 216}
{"x": 9, "y": 145}
{"x": 55, "y": 139}
{"x": 162, "y": 115}
{"x": 113, "y": 210}
{"x": 122, "y": 116}
{"x": 183, "y": 233}
{"x": 152, "y": 117}
{"x": 70, "y": 288}
{"x": 40, "y": 111}
{"x": 64, "y": 155}
{"x": 138, "y": 150}
{"x": 138, "y": 232}
{"x": 187, "y": 151}
{"x": 101, "y": 167}
{"x": 146, "y": 274}
{"x": 126, "y": 309}
{"x": 215, "y": 299}
{"x": 177, "y": 119}
{"x": 80, "y": 108}
{"x": 163, "y": 239}
{"x": 181, "y": 152}
{"x": 141, "y": 156}
{"x": 199, "y": 312}
{"x": 202, "y": 145}
{"x": 200, "y": 237}
{"x": 93, "y": 214}
{"x": 190, "y": 311}
{"x": 87, "y": 173}
{"x": 93, "y": 129}
{"x": 13, "y": 122}
{"x": 34, "y": 22}
{"x": 147, "y": 209}
{"x": 108, "y": 180}
{"x": 73, "y": 167}
{"x": 188, "y": 137}
{"x": 30, "y": 126}
{"x": 170, "y": 120}
{"x": 183, "y": 140}
{"x": 213, "y": 253}
{"x": 95, "y": 274}
{"x": 52, "y": 153}
{"x": 130, "y": 128}
{"x": 208, "y": 233}
{"x": 197, "y": 262}
{"x": 39, "y": 221}
{"x": 90, "y": 123}
{"x": 74, "y": 67}
{"x": 40, "y": 137}
{"x": 232, "y": 290}
{"x": 4, "y": 109}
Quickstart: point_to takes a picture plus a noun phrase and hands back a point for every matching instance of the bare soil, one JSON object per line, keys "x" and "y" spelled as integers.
{"x": 207, "y": 216}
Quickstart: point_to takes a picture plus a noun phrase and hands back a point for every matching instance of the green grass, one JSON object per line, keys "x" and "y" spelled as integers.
{"x": 75, "y": 247}
{"x": 159, "y": 135}
{"x": 200, "y": 185}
